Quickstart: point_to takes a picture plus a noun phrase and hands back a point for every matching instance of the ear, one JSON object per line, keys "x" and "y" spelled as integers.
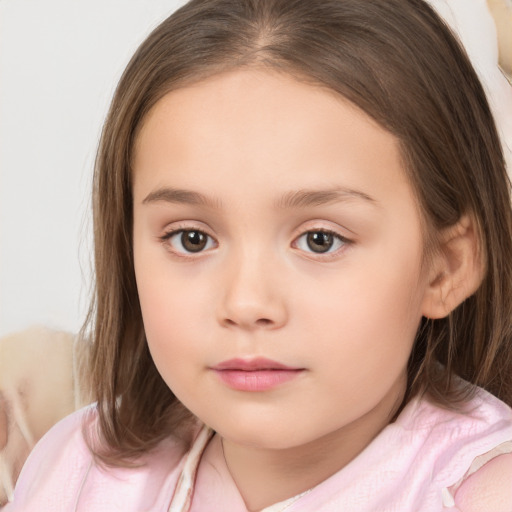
{"x": 456, "y": 271}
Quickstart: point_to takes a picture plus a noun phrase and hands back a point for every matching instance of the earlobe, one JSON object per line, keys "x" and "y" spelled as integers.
{"x": 456, "y": 271}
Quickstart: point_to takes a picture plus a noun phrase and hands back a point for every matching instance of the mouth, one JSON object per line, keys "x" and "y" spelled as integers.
{"x": 259, "y": 374}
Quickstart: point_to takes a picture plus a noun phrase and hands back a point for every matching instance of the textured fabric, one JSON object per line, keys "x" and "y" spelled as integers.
{"x": 410, "y": 466}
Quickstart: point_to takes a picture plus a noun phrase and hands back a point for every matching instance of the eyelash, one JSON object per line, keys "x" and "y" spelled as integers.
{"x": 341, "y": 241}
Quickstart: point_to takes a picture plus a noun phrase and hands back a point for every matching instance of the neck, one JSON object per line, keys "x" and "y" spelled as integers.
{"x": 267, "y": 476}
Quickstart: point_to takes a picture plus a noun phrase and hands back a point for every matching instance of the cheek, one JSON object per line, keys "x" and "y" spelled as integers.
{"x": 167, "y": 328}
{"x": 159, "y": 301}
{"x": 177, "y": 324}
{"x": 377, "y": 299}
{"x": 167, "y": 298}
{"x": 369, "y": 322}
{"x": 168, "y": 311}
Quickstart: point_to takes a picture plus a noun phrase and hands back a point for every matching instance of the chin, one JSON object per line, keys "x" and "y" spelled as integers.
{"x": 266, "y": 435}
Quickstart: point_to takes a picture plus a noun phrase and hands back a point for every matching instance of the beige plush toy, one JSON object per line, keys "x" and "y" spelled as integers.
{"x": 501, "y": 11}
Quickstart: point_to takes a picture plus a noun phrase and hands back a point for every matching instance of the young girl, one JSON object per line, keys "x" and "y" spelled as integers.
{"x": 303, "y": 260}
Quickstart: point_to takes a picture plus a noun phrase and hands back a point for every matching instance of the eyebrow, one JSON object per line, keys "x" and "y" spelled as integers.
{"x": 295, "y": 199}
{"x": 305, "y": 198}
{"x": 181, "y": 196}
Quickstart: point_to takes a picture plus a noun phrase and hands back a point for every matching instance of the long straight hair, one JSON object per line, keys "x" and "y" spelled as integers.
{"x": 396, "y": 61}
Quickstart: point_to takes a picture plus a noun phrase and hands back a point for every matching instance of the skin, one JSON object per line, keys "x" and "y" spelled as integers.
{"x": 489, "y": 488}
{"x": 347, "y": 318}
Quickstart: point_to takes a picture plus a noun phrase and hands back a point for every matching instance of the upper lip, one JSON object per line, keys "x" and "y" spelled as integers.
{"x": 251, "y": 365}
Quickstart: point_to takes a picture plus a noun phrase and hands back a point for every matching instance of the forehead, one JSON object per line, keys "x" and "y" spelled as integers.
{"x": 246, "y": 126}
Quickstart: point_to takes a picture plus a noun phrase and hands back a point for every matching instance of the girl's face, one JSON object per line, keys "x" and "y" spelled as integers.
{"x": 278, "y": 254}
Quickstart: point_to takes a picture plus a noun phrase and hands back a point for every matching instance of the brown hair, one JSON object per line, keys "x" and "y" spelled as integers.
{"x": 398, "y": 62}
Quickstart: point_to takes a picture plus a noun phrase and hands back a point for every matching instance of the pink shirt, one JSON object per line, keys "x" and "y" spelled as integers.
{"x": 415, "y": 464}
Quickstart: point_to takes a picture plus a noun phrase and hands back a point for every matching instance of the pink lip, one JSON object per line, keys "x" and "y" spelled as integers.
{"x": 259, "y": 374}
{"x": 249, "y": 365}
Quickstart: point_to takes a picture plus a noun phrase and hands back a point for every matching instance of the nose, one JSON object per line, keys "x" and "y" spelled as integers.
{"x": 252, "y": 296}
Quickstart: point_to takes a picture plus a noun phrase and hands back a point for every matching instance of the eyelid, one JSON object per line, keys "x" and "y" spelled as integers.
{"x": 185, "y": 225}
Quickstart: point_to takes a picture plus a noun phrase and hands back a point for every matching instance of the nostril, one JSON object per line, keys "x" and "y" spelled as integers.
{"x": 260, "y": 322}
{"x": 263, "y": 322}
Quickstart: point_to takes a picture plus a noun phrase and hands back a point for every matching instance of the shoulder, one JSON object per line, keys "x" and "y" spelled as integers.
{"x": 63, "y": 442}
{"x": 490, "y": 488}
{"x": 61, "y": 473}
{"x": 481, "y": 462}
{"x": 60, "y": 456}
{"x": 459, "y": 450}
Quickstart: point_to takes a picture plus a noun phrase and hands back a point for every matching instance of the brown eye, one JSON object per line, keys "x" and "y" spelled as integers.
{"x": 193, "y": 241}
{"x": 188, "y": 241}
{"x": 319, "y": 241}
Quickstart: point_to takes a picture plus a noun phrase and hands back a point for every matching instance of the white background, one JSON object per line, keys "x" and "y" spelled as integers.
{"x": 59, "y": 63}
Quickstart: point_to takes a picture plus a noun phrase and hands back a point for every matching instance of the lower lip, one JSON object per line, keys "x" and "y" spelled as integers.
{"x": 256, "y": 380}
